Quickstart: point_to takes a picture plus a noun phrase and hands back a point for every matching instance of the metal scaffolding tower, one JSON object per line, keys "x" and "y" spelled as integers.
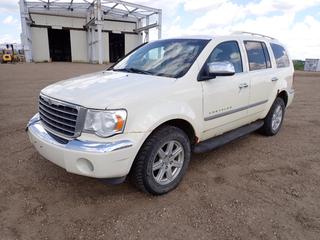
{"x": 95, "y": 12}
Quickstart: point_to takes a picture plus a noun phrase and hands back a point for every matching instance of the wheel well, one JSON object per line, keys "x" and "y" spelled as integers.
{"x": 284, "y": 97}
{"x": 184, "y": 126}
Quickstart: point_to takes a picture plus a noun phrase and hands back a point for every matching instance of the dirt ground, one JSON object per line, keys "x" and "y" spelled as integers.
{"x": 254, "y": 188}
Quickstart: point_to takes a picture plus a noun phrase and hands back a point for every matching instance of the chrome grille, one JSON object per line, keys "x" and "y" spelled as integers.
{"x": 59, "y": 117}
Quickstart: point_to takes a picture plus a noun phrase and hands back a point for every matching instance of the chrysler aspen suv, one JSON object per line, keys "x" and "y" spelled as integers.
{"x": 143, "y": 117}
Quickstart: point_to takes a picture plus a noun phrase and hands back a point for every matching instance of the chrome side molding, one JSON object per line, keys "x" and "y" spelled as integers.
{"x": 235, "y": 110}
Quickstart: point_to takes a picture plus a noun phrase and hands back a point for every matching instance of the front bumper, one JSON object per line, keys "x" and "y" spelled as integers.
{"x": 88, "y": 158}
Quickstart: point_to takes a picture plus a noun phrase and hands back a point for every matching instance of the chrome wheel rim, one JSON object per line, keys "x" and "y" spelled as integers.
{"x": 168, "y": 162}
{"x": 277, "y": 118}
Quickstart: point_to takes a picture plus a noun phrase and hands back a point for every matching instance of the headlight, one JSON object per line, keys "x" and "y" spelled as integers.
{"x": 105, "y": 123}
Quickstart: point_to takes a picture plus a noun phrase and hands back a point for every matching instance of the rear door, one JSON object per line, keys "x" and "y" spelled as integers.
{"x": 261, "y": 74}
{"x": 225, "y": 97}
{"x": 283, "y": 64}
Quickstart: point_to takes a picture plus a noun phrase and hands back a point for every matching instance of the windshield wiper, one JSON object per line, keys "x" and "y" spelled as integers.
{"x": 133, "y": 70}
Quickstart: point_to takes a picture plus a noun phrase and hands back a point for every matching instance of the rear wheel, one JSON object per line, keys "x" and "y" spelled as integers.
{"x": 274, "y": 119}
{"x": 162, "y": 161}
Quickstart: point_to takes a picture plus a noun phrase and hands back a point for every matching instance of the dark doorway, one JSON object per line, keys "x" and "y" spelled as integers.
{"x": 59, "y": 45}
{"x": 116, "y": 46}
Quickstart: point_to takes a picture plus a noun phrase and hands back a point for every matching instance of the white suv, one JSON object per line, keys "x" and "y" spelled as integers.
{"x": 144, "y": 116}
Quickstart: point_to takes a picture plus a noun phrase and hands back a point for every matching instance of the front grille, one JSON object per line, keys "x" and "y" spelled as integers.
{"x": 59, "y": 117}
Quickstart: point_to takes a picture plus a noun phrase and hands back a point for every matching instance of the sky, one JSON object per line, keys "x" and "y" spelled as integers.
{"x": 296, "y": 23}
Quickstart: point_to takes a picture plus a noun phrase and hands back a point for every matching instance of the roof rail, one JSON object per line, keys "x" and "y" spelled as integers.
{"x": 253, "y": 34}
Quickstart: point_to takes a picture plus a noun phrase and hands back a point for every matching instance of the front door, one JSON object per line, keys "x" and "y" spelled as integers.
{"x": 225, "y": 98}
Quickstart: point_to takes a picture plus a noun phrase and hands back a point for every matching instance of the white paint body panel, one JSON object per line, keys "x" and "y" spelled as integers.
{"x": 152, "y": 100}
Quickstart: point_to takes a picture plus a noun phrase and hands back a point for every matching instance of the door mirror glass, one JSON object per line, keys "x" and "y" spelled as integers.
{"x": 224, "y": 68}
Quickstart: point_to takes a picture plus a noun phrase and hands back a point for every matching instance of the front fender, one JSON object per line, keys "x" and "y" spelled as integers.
{"x": 147, "y": 121}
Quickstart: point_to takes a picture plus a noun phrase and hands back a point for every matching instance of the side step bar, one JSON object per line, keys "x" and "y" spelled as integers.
{"x": 218, "y": 141}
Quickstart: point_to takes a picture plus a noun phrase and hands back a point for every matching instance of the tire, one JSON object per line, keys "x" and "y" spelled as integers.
{"x": 152, "y": 167}
{"x": 274, "y": 119}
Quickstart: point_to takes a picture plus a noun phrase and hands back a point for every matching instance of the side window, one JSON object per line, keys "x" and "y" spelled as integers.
{"x": 280, "y": 55}
{"x": 258, "y": 55}
{"x": 227, "y": 51}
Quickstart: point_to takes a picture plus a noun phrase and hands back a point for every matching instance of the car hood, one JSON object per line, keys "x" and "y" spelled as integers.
{"x": 107, "y": 89}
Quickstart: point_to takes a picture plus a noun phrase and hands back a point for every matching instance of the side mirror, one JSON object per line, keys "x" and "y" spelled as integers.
{"x": 225, "y": 68}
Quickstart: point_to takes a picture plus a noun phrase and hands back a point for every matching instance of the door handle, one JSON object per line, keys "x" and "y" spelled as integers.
{"x": 243, "y": 85}
{"x": 274, "y": 79}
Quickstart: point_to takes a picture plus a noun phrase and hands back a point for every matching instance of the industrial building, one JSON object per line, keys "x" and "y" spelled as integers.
{"x": 94, "y": 31}
{"x": 312, "y": 65}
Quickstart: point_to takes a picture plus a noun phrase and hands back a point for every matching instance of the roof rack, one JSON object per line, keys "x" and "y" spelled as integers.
{"x": 253, "y": 34}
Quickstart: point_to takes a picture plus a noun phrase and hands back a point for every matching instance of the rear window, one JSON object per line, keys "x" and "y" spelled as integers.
{"x": 280, "y": 55}
{"x": 258, "y": 55}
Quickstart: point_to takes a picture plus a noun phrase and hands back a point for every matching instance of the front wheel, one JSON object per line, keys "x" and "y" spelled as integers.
{"x": 162, "y": 161}
{"x": 274, "y": 119}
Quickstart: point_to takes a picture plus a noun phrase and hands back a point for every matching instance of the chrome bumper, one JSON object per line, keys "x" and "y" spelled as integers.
{"x": 37, "y": 129}
{"x": 111, "y": 159}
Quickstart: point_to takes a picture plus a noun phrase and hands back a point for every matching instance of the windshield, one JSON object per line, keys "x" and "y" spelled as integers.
{"x": 169, "y": 58}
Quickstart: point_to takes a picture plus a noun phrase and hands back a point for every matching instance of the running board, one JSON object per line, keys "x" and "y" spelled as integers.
{"x": 218, "y": 141}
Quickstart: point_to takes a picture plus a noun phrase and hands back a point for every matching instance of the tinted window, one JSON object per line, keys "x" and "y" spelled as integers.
{"x": 280, "y": 55}
{"x": 227, "y": 51}
{"x": 258, "y": 55}
{"x": 169, "y": 58}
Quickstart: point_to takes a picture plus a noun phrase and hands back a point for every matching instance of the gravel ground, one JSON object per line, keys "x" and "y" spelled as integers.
{"x": 254, "y": 188}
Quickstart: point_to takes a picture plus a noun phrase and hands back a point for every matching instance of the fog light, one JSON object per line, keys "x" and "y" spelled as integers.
{"x": 84, "y": 165}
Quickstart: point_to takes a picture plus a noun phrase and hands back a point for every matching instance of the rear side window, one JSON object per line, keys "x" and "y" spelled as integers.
{"x": 280, "y": 55}
{"x": 258, "y": 55}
